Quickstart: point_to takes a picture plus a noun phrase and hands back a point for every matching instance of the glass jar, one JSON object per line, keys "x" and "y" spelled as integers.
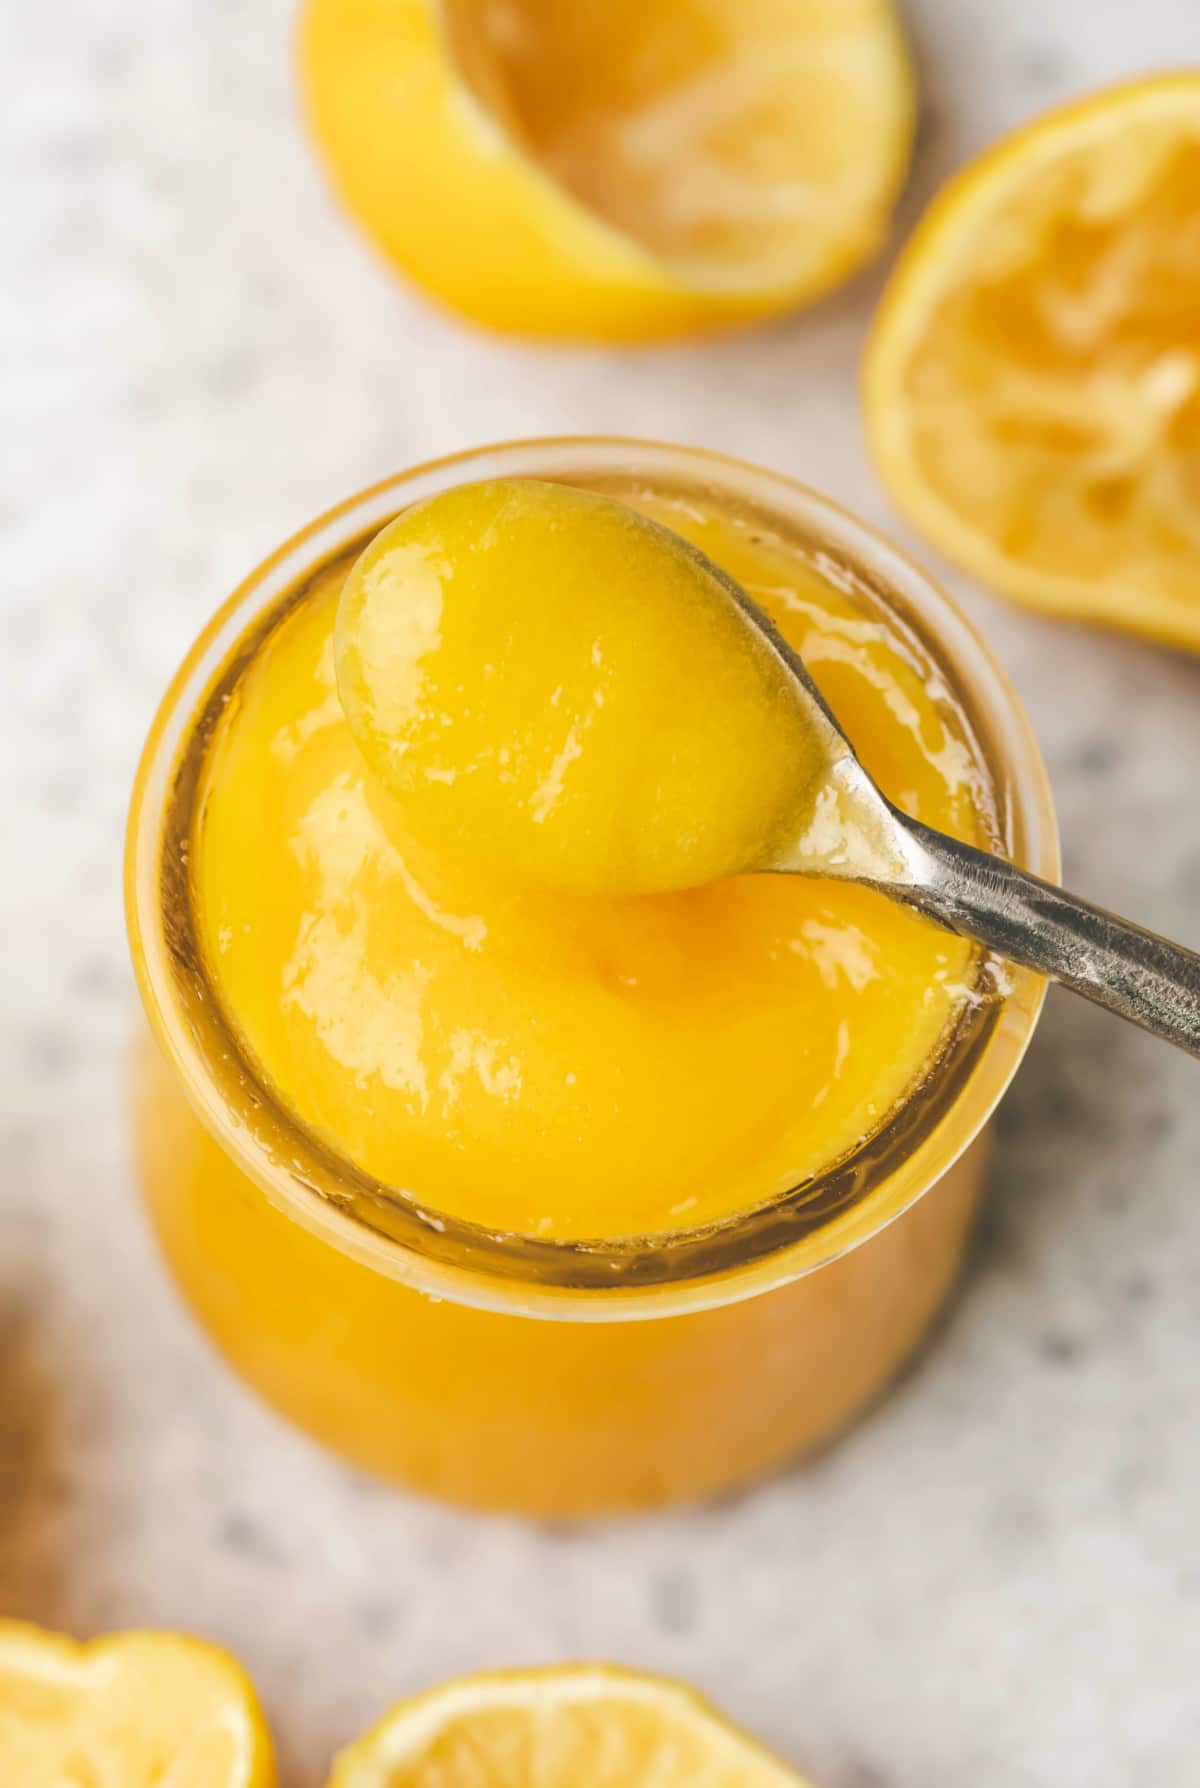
{"x": 545, "y": 1376}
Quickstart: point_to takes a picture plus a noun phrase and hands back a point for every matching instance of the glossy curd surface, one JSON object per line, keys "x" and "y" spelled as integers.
{"x": 570, "y": 1066}
{"x": 564, "y": 694}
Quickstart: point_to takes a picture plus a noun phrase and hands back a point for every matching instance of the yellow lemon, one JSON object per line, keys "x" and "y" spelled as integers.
{"x": 613, "y": 169}
{"x": 138, "y": 1709}
{"x": 1032, "y": 381}
{"x": 580, "y": 1726}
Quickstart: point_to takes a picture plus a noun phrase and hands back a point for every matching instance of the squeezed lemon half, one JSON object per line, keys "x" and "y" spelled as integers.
{"x": 580, "y": 1726}
{"x": 144, "y": 1710}
{"x": 1032, "y": 381}
{"x": 137, "y": 1709}
{"x": 620, "y": 169}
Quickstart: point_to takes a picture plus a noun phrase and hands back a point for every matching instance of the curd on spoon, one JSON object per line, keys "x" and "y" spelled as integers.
{"x": 561, "y": 691}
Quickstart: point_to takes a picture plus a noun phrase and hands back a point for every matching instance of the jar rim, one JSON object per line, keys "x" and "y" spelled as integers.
{"x": 629, "y": 1277}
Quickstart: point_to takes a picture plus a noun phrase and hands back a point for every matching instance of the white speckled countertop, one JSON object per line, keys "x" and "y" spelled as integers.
{"x": 994, "y": 1581}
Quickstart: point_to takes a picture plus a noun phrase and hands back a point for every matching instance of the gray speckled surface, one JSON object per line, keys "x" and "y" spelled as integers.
{"x": 997, "y": 1579}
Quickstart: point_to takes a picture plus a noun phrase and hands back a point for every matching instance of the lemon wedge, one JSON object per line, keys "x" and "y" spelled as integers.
{"x": 1032, "y": 380}
{"x": 624, "y": 171}
{"x": 139, "y": 1709}
{"x": 579, "y": 1726}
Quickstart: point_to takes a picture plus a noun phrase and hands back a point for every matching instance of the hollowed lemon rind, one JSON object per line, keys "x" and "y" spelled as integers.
{"x": 492, "y": 235}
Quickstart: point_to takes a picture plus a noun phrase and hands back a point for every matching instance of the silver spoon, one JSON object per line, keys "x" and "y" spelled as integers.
{"x": 858, "y": 835}
{"x": 844, "y": 826}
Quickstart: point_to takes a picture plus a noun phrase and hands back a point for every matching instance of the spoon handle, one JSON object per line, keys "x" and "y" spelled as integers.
{"x": 1118, "y": 965}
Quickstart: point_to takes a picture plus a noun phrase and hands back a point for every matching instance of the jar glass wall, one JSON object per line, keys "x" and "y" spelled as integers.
{"x": 548, "y": 1376}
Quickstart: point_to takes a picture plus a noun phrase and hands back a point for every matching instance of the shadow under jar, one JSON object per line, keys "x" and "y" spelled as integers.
{"x": 575, "y": 1372}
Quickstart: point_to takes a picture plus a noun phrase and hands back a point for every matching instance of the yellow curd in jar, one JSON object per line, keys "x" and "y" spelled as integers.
{"x": 559, "y": 1064}
{"x": 530, "y": 1060}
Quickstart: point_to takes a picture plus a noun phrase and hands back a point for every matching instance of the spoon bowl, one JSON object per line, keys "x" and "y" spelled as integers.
{"x": 856, "y": 834}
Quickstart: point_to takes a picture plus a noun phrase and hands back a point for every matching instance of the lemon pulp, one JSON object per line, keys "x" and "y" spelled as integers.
{"x": 575, "y": 1726}
{"x": 1033, "y": 378}
{"x": 138, "y": 1709}
{"x": 739, "y": 139}
{"x": 577, "y": 1066}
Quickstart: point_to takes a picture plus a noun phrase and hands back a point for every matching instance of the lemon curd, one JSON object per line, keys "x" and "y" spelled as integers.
{"x": 508, "y": 1191}
{"x": 558, "y": 1065}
